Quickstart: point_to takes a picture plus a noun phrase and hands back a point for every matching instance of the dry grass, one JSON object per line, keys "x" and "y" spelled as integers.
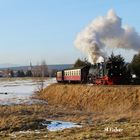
{"x": 20, "y": 117}
{"x": 104, "y": 100}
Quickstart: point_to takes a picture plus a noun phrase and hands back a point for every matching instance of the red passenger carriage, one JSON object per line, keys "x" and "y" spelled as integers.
{"x": 78, "y": 74}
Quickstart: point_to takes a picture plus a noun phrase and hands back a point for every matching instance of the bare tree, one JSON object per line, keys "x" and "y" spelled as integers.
{"x": 44, "y": 69}
{"x": 41, "y": 71}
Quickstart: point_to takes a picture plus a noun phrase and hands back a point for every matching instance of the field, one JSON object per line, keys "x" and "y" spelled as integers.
{"x": 103, "y": 112}
{"x": 24, "y": 122}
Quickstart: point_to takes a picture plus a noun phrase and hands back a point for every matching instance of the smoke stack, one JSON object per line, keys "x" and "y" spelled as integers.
{"x": 106, "y": 31}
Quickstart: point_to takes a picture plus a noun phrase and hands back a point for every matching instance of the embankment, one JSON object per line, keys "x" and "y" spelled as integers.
{"x": 99, "y": 99}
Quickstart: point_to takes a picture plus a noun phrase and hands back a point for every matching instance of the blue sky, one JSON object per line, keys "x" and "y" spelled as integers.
{"x": 35, "y": 30}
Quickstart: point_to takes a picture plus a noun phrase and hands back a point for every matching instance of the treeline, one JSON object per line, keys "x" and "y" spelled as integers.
{"x": 133, "y": 66}
{"x": 29, "y": 73}
{"x": 21, "y": 73}
{"x": 40, "y": 70}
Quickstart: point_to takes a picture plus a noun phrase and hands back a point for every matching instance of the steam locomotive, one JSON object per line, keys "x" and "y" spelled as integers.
{"x": 105, "y": 73}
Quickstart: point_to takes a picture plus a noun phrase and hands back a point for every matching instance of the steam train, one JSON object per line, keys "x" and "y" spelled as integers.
{"x": 105, "y": 73}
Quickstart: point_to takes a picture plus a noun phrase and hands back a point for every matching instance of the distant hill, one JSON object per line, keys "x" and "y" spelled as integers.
{"x": 60, "y": 67}
{"x": 50, "y": 67}
{"x": 7, "y": 65}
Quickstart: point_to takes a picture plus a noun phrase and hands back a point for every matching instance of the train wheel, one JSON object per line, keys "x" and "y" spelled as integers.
{"x": 104, "y": 82}
{"x": 98, "y": 82}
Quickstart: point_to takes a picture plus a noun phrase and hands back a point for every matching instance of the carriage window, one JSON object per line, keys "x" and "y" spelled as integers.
{"x": 59, "y": 74}
{"x": 74, "y": 72}
{"x": 77, "y": 72}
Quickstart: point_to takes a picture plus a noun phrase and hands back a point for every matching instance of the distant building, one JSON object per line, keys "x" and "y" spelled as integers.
{"x": 1, "y": 73}
{"x": 5, "y": 73}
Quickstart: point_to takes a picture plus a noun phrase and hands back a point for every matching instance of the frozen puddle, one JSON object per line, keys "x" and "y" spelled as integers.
{"x": 59, "y": 125}
{"x": 20, "y": 91}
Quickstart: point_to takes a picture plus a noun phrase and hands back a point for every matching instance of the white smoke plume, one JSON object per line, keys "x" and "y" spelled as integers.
{"x": 106, "y": 31}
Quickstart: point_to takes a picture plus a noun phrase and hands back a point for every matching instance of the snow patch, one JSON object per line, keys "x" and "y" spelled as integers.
{"x": 59, "y": 125}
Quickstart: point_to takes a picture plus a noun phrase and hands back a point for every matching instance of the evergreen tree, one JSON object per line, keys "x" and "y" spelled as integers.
{"x": 20, "y": 73}
{"x": 135, "y": 65}
{"x": 80, "y": 63}
{"x": 29, "y": 73}
{"x": 122, "y": 67}
{"x": 116, "y": 59}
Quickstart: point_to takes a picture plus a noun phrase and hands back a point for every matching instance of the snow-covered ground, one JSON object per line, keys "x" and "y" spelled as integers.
{"x": 19, "y": 91}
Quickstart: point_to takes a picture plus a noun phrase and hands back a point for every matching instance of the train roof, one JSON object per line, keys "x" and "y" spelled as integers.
{"x": 82, "y": 67}
{"x": 73, "y": 68}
